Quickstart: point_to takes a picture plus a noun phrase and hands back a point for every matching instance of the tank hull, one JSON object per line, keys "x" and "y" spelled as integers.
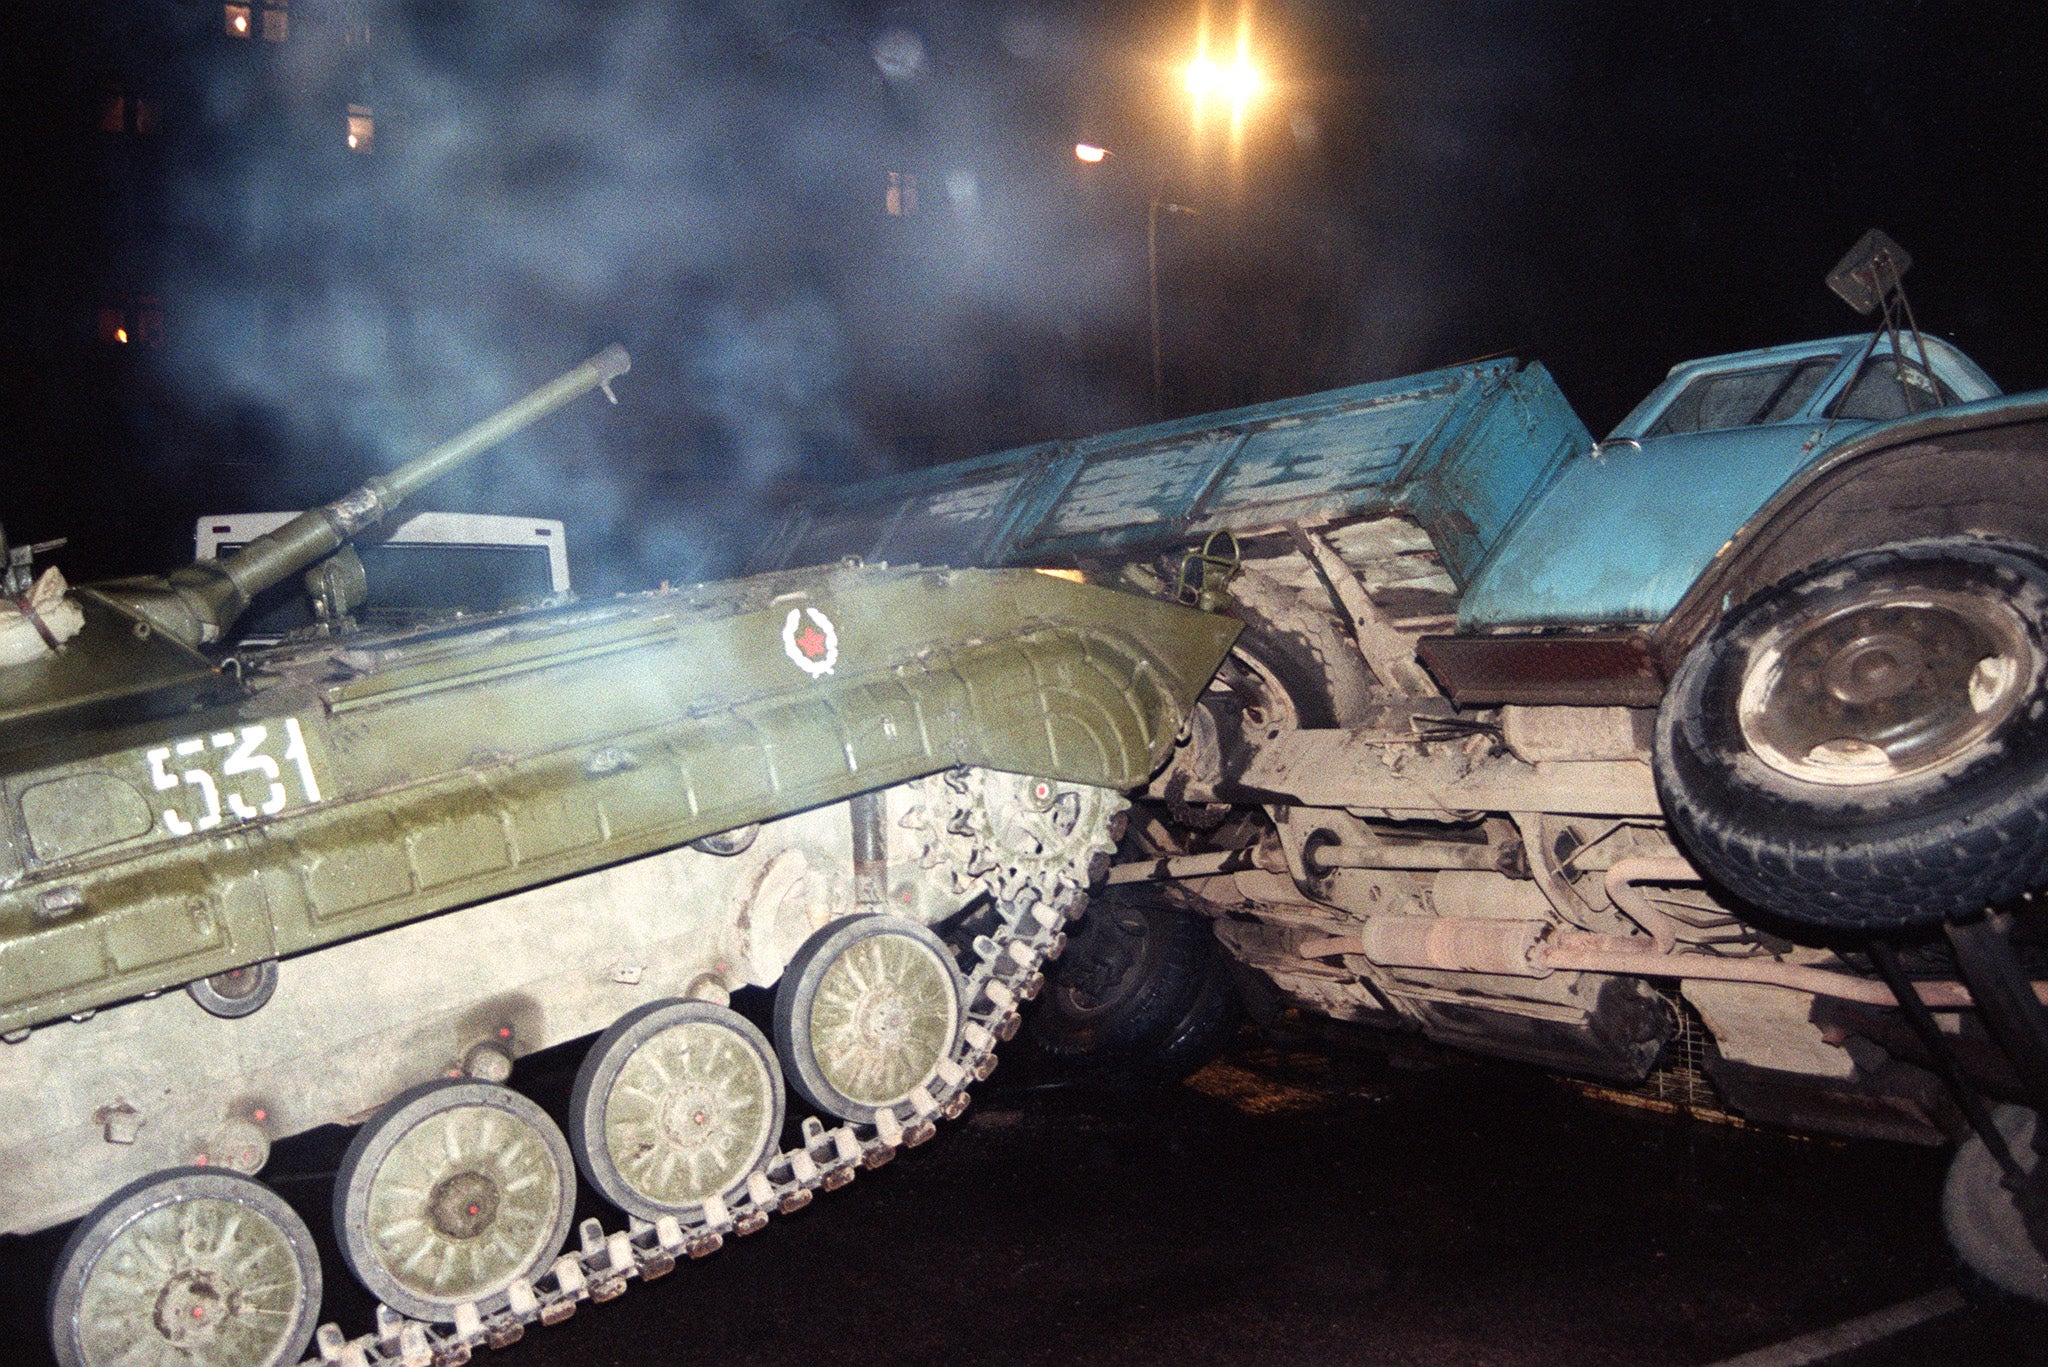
{"x": 330, "y": 793}
{"x": 161, "y": 1083}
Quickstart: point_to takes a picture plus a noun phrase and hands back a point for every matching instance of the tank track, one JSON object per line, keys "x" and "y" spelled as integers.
{"x": 974, "y": 823}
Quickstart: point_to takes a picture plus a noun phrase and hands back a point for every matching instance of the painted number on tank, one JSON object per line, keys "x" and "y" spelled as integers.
{"x": 217, "y": 768}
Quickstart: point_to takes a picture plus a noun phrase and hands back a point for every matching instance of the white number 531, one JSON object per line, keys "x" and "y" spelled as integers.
{"x": 244, "y": 755}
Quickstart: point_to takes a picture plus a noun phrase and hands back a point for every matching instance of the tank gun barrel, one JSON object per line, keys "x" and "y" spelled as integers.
{"x": 205, "y": 598}
{"x": 368, "y": 504}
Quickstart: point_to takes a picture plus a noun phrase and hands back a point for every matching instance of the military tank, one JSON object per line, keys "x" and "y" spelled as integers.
{"x": 354, "y": 877}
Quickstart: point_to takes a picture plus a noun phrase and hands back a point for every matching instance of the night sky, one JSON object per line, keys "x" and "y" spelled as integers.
{"x": 1606, "y": 188}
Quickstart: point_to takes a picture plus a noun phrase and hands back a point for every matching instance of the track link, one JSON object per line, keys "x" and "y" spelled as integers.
{"x": 1032, "y": 900}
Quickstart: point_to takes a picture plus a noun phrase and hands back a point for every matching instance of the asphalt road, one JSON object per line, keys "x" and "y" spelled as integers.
{"x": 1282, "y": 1207}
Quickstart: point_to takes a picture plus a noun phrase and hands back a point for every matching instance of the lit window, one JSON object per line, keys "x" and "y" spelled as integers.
{"x": 235, "y": 20}
{"x": 277, "y": 22}
{"x": 900, "y": 200}
{"x": 362, "y": 128}
{"x": 138, "y": 322}
{"x": 121, "y": 112}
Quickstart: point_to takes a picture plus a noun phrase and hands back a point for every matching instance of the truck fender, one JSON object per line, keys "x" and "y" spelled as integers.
{"x": 1973, "y": 470}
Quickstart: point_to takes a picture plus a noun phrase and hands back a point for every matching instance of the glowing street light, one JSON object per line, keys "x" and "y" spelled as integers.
{"x": 1232, "y": 78}
{"x": 1237, "y": 81}
{"x": 1093, "y": 154}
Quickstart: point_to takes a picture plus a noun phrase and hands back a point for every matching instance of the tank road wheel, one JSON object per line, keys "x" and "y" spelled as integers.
{"x": 866, "y": 1012}
{"x": 1865, "y": 746}
{"x": 194, "y": 1267}
{"x": 453, "y": 1190}
{"x": 678, "y": 1102}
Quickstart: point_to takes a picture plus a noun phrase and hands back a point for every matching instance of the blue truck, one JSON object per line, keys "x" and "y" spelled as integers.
{"x": 1584, "y": 753}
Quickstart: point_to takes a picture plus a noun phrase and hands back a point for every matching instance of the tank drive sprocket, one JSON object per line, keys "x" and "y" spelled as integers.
{"x": 1013, "y": 831}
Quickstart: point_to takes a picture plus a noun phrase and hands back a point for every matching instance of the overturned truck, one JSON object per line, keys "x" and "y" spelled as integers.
{"x": 353, "y": 877}
{"x": 1730, "y": 726}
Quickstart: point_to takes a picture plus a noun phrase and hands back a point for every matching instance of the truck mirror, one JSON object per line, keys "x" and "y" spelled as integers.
{"x": 1872, "y": 269}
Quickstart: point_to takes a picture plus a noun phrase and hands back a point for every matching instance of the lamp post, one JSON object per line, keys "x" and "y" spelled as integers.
{"x": 1152, "y": 284}
{"x": 1235, "y": 81}
{"x": 1092, "y": 154}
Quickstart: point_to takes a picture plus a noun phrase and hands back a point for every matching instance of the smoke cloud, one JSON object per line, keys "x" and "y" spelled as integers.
{"x": 800, "y": 218}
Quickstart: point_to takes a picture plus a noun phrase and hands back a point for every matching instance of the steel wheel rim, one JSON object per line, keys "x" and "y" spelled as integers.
{"x": 1269, "y": 705}
{"x": 465, "y": 1201}
{"x": 1892, "y": 686}
{"x": 883, "y": 1018}
{"x": 1108, "y": 958}
{"x": 198, "y": 1282}
{"x": 689, "y": 1114}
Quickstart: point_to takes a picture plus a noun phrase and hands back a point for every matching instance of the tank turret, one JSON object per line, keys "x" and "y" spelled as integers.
{"x": 196, "y": 604}
{"x": 142, "y": 638}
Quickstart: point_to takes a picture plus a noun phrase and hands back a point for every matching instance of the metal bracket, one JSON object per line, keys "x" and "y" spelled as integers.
{"x": 1391, "y": 655}
{"x": 1211, "y": 591}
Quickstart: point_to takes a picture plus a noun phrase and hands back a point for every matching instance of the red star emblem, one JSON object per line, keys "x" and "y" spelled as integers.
{"x": 811, "y": 642}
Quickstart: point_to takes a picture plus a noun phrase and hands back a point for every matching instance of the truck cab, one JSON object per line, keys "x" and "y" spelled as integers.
{"x": 1621, "y": 533}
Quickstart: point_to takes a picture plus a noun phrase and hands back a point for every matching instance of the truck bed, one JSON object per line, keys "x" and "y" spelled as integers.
{"x": 1456, "y": 450}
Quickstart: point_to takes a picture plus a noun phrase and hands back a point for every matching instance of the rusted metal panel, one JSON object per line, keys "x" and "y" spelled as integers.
{"x": 1458, "y": 449}
{"x": 1359, "y": 769}
{"x": 1607, "y": 670}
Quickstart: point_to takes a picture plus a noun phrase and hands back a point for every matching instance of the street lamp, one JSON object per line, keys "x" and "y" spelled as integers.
{"x": 1152, "y": 289}
{"x": 1233, "y": 78}
{"x": 1092, "y": 154}
{"x": 1222, "y": 76}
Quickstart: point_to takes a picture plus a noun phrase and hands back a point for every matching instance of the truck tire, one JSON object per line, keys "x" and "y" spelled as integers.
{"x": 1984, "y": 1222}
{"x": 1142, "y": 994}
{"x": 1203, "y": 1031}
{"x": 1864, "y": 746}
{"x": 1296, "y": 666}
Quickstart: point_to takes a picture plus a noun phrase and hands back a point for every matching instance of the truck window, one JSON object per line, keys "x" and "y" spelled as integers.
{"x": 1744, "y": 398}
{"x": 1886, "y": 389}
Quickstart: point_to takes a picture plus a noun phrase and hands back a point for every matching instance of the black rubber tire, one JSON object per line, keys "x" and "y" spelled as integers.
{"x": 1983, "y": 1221}
{"x": 1211, "y": 1022}
{"x": 141, "y": 1199}
{"x": 1143, "y": 992}
{"x": 1870, "y": 856}
{"x": 1306, "y": 671}
{"x": 1293, "y": 661}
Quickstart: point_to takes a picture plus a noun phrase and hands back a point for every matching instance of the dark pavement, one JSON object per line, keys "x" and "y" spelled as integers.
{"x": 1283, "y": 1207}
